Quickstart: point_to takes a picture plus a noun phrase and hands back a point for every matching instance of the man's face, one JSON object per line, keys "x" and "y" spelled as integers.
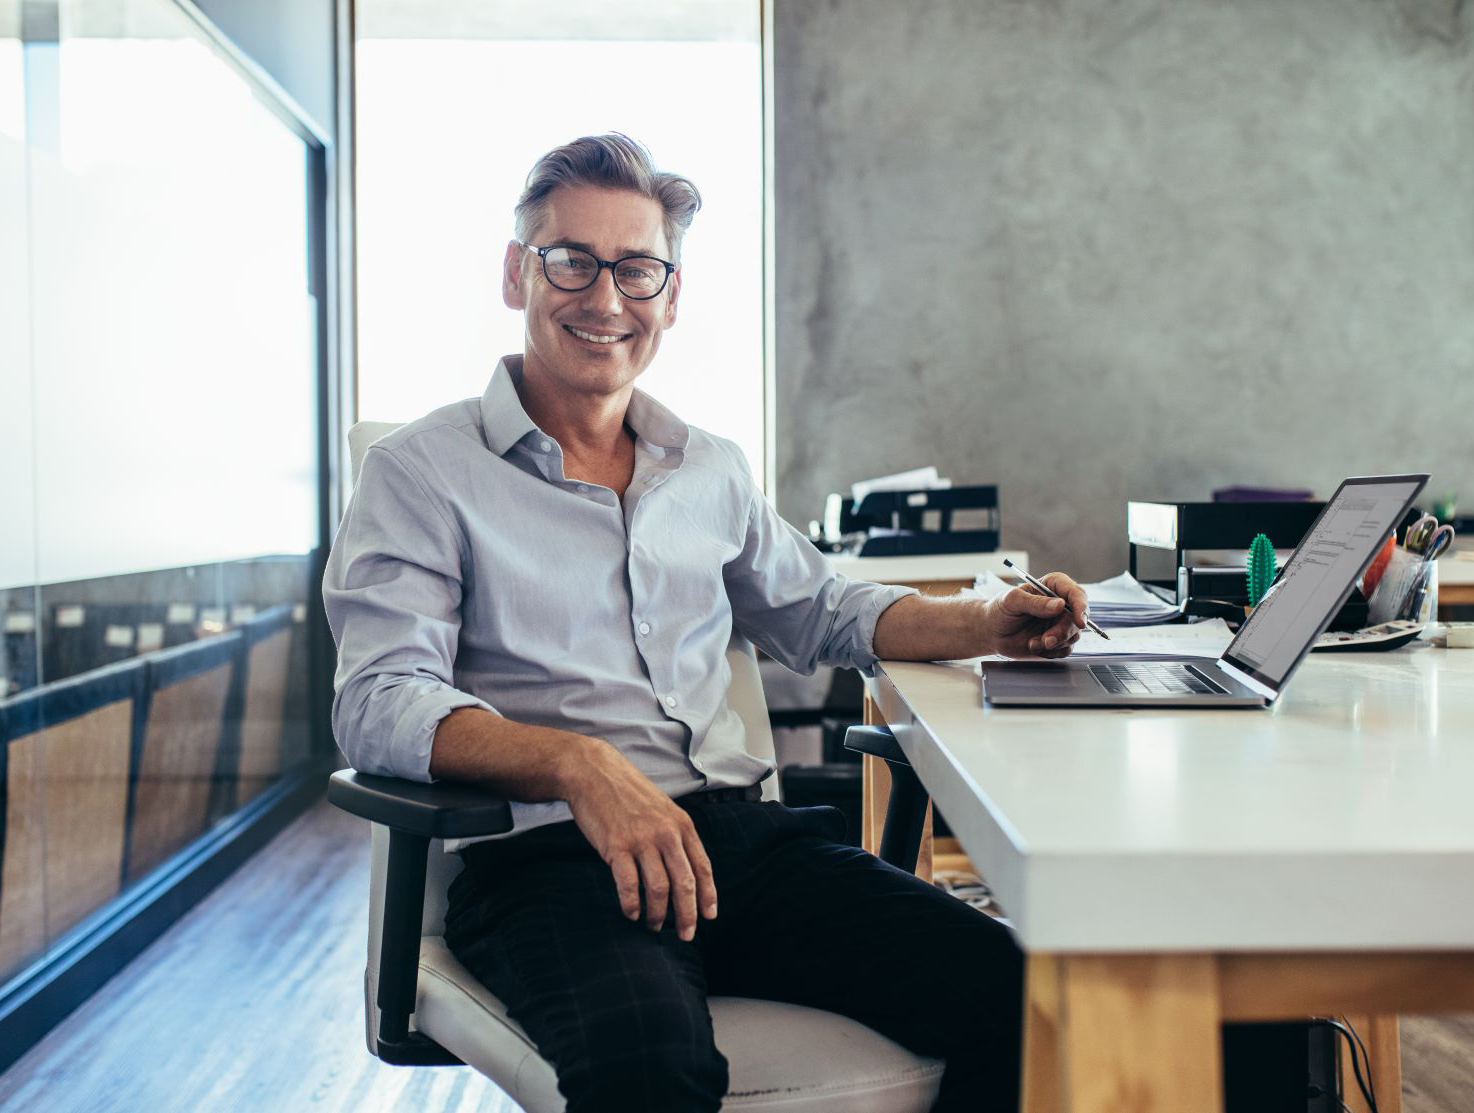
{"x": 610, "y": 223}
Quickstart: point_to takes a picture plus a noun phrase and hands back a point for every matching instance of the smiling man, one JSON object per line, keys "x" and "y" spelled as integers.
{"x": 534, "y": 590}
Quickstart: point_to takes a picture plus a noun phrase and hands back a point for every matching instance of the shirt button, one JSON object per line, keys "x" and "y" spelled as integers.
{"x": 583, "y": 487}
{"x": 701, "y": 765}
{"x": 670, "y": 701}
{"x": 645, "y": 629}
{"x": 546, "y": 446}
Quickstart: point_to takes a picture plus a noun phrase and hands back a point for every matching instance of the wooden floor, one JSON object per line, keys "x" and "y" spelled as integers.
{"x": 253, "y": 1003}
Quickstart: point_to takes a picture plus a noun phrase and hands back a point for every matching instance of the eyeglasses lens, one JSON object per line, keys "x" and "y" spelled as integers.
{"x": 568, "y": 268}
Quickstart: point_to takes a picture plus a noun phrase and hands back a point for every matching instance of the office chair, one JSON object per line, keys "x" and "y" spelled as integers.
{"x": 423, "y": 1008}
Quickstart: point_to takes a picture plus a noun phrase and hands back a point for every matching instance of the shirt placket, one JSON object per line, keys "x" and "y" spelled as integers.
{"x": 650, "y": 473}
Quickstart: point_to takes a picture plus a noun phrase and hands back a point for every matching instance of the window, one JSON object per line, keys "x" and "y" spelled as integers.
{"x": 455, "y": 103}
{"x": 159, "y": 471}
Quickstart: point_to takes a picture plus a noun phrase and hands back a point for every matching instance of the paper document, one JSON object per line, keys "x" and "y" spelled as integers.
{"x": 1182, "y": 639}
{"x": 1114, "y": 603}
{"x": 1206, "y": 640}
{"x": 918, "y": 479}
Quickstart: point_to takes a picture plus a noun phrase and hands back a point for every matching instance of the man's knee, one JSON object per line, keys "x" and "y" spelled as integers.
{"x": 657, "y": 1075}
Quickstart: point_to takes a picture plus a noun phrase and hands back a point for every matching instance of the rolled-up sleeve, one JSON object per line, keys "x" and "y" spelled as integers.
{"x": 392, "y": 592}
{"x": 788, "y": 600}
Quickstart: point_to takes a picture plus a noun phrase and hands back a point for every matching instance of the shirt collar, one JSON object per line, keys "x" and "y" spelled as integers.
{"x": 654, "y": 423}
{"x": 506, "y": 422}
{"x": 502, "y": 415}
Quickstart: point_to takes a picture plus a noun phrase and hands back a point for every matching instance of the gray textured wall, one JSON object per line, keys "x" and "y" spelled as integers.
{"x": 1097, "y": 251}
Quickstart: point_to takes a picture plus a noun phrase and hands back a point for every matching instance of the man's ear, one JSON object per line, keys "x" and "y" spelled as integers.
{"x": 670, "y": 302}
{"x": 512, "y": 277}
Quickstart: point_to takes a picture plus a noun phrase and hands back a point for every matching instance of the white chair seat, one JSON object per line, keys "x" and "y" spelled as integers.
{"x": 782, "y": 1057}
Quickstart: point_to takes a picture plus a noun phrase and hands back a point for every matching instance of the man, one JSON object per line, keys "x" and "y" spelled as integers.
{"x": 534, "y": 590}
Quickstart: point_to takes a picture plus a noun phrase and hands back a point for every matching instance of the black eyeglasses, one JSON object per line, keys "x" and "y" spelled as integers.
{"x": 637, "y": 277}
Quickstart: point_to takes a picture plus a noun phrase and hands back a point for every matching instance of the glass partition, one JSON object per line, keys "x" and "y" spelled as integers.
{"x": 159, "y": 475}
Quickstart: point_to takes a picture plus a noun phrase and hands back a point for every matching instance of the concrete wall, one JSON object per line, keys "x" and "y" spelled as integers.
{"x": 1097, "y": 251}
{"x": 292, "y": 40}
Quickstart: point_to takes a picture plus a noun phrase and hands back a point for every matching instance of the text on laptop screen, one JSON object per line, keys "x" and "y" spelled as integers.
{"x": 1328, "y": 558}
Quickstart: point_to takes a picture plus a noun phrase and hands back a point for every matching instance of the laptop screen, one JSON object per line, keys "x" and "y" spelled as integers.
{"x": 1333, "y": 553}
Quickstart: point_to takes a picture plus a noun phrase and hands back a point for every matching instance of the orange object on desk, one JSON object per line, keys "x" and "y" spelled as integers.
{"x": 1373, "y": 575}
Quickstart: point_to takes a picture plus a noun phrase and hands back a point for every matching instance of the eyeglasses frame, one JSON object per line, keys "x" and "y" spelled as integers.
{"x": 542, "y": 254}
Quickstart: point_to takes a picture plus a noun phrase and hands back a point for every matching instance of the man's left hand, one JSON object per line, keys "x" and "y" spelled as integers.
{"x": 1026, "y": 623}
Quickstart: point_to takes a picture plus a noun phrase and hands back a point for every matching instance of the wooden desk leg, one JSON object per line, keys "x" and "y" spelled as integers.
{"x": 1136, "y": 1032}
{"x": 1384, "y": 1049}
{"x": 1042, "y": 1068}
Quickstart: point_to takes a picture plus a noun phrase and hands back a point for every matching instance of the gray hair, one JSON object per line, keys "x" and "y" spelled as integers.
{"x": 613, "y": 161}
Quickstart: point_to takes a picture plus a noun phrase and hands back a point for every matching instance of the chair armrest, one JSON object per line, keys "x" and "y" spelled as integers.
{"x": 443, "y": 810}
{"x": 905, "y": 814}
{"x": 877, "y": 742}
{"x": 415, "y": 813}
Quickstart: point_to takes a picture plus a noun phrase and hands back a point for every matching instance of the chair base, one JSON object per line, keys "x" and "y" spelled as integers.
{"x": 416, "y": 1050}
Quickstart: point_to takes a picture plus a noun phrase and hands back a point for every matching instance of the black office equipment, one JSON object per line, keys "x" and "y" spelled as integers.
{"x": 1154, "y": 529}
{"x": 1165, "y": 540}
{"x": 914, "y": 523}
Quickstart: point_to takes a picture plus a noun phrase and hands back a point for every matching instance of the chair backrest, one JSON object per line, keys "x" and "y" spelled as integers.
{"x": 363, "y": 434}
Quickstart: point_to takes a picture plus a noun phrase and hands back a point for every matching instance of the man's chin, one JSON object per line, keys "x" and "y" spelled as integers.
{"x": 600, "y": 375}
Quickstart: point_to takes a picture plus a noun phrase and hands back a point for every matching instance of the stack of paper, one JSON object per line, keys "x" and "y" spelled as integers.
{"x": 1206, "y": 639}
{"x": 917, "y": 479}
{"x": 1117, "y": 602}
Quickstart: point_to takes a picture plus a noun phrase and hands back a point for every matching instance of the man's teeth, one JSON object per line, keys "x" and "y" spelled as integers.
{"x": 590, "y": 336}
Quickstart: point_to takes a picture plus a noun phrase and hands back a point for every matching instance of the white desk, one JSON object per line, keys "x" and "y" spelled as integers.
{"x": 1170, "y": 870}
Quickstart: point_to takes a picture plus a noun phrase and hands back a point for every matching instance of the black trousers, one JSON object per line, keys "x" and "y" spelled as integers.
{"x": 620, "y": 1011}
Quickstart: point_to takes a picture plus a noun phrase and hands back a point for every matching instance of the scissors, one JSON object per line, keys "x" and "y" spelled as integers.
{"x": 1440, "y": 539}
{"x": 1420, "y": 533}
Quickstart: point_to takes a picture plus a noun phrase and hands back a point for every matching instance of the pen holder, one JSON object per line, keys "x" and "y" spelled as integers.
{"x": 1408, "y": 590}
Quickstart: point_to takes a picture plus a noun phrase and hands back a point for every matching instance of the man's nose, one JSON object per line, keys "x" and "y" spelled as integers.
{"x": 604, "y": 295}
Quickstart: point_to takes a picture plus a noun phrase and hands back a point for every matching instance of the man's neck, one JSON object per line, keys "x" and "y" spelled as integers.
{"x": 588, "y": 427}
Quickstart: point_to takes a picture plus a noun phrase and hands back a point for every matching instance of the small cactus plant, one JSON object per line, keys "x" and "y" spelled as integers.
{"x": 1262, "y": 568}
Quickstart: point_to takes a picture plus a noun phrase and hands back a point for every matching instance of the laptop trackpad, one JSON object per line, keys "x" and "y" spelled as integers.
{"x": 1003, "y": 679}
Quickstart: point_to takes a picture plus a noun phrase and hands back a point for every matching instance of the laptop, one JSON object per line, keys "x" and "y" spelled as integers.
{"x": 1271, "y": 643}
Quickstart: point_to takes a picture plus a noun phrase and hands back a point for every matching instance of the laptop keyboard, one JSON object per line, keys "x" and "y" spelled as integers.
{"x": 1153, "y": 678}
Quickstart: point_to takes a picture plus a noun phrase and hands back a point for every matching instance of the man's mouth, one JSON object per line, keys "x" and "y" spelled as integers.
{"x": 598, "y": 338}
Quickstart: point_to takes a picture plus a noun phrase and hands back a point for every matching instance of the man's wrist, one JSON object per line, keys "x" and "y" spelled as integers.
{"x": 986, "y": 625}
{"x": 583, "y": 765}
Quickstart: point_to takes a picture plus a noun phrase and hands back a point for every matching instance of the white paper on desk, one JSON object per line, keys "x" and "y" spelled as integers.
{"x": 1119, "y": 591}
{"x": 1206, "y": 640}
{"x": 917, "y": 479}
{"x": 1198, "y": 639}
{"x": 1119, "y": 601}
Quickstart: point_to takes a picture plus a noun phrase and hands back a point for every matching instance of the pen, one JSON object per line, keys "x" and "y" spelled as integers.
{"x": 1050, "y": 592}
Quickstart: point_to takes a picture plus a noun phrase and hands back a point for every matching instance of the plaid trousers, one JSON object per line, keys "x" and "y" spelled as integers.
{"x": 620, "y": 1011}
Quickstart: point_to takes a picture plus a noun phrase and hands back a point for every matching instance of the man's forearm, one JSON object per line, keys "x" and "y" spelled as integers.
{"x": 918, "y": 628}
{"x": 521, "y": 762}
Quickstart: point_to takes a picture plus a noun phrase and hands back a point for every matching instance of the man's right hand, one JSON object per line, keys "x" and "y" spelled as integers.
{"x": 647, "y": 840}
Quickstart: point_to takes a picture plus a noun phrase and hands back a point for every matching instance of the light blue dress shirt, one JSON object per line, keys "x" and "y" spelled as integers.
{"x": 469, "y": 571}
